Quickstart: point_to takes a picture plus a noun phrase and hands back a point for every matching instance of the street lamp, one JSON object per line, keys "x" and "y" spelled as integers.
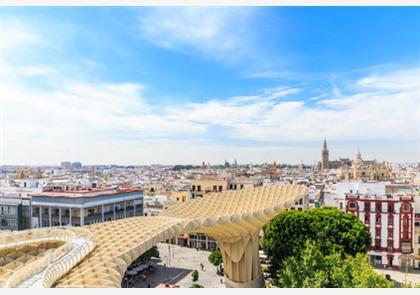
{"x": 406, "y": 257}
{"x": 169, "y": 254}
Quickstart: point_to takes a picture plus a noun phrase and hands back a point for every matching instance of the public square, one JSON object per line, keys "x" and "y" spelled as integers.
{"x": 176, "y": 268}
{"x": 413, "y": 277}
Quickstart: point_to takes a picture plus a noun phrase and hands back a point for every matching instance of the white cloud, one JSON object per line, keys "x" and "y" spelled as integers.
{"x": 389, "y": 113}
{"x": 233, "y": 112}
{"x": 17, "y": 35}
{"x": 272, "y": 75}
{"x": 399, "y": 80}
{"x": 216, "y": 31}
{"x": 112, "y": 122}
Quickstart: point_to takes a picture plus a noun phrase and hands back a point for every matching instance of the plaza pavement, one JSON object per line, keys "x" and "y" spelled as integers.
{"x": 413, "y": 276}
{"x": 177, "y": 269}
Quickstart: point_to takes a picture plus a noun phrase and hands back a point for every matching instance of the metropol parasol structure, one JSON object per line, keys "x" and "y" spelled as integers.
{"x": 98, "y": 255}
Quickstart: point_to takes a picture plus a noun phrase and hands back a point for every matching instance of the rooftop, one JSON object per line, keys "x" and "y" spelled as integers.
{"x": 402, "y": 197}
{"x": 85, "y": 193}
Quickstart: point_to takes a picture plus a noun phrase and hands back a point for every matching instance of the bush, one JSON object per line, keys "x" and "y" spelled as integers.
{"x": 195, "y": 285}
{"x": 194, "y": 275}
{"x": 215, "y": 258}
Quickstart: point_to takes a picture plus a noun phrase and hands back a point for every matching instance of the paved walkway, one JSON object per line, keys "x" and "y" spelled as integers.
{"x": 36, "y": 280}
{"x": 413, "y": 276}
{"x": 176, "y": 269}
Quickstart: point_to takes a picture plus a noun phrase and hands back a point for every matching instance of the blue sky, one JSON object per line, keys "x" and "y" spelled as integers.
{"x": 137, "y": 85}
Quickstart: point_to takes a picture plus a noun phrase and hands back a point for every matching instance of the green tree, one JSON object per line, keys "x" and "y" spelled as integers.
{"x": 313, "y": 269}
{"x": 195, "y": 285}
{"x": 215, "y": 258}
{"x": 194, "y": 275}
{"x": 286, "y": 234}
{"x": 152, "y": 252}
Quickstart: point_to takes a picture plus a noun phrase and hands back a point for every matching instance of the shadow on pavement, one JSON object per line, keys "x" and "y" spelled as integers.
{"x": 164, "y": 275}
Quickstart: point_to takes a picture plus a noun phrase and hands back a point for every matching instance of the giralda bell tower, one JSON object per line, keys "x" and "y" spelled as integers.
{"x": 325, "y": 157}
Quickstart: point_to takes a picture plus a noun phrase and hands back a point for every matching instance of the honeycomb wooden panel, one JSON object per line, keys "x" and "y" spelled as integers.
{"x": 233, "y": 218}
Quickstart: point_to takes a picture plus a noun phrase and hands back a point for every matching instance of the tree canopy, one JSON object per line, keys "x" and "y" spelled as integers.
{"x": 194, "y": 275}
{"x": 313, "y": 269}
{"x": 215, "y": 258}
{"x": 337, "y": 232}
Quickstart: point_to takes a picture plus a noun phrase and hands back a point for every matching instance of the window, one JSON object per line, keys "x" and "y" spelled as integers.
{"x": 378, "y": 232}
{"x": 220, "y": 188}
{"x": 378, "y": 219}
{"x": 390, "y": 220}
{"x": 199, "y": 188}
{"x": 405, "y": 221}
{"x": 378, "y": 207}
{"x": 378, "y": 245}
{"x": 390, "y": 234}
{"x": 352, "y": 205}
{"x": 405, "y": 247}
{"x": 389, "y": 248}
{"x": 406, "y": 207}
{"x": 215, "y": 188}
{"x": 367, "y": 218}
{"x": 367, "y": 206}
{"x": 390, "y": 207}
{"x": 193, "y": 188}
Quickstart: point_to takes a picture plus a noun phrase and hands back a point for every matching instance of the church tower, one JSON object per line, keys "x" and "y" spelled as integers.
{"x": 325, "y": 157}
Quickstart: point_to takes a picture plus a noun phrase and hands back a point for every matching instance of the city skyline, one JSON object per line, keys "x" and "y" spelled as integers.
{"x": 136, "y": 86}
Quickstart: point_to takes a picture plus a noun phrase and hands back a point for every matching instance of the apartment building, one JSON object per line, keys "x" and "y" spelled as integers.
{"x": 390, "y": 220}
{"x": 241, "y": 182}
{"x": 207, "y": 184}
